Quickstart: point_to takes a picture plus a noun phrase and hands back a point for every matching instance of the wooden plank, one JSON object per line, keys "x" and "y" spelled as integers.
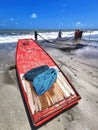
{"x": 55, "y": 94}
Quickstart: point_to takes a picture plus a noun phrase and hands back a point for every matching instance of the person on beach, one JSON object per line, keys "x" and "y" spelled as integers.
{"x": 80, "y": 34}
{"x": 35, "y": 35}
{"x": 77, "y": 32}
{"x": 60, "y": 34}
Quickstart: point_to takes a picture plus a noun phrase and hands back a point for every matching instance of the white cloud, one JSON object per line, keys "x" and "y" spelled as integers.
{"x": 82, "y": 25}
{"x": 12, "y": 19}
{"x": 33, "y": 15}
{"x": 78, "y": 23}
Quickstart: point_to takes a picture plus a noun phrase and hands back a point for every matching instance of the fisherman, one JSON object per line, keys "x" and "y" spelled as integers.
{"x": 60, "y": 34}
{"x": 35, "y": 35}
{"x": 77, "y": 32}
{"x": 80, "y": 34}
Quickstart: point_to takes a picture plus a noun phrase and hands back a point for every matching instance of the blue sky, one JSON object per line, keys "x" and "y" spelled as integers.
{"x": 48, "y": 14}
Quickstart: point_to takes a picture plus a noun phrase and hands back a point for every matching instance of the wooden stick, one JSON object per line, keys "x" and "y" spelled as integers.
{"x": 66, "y": 84}
{"x": 62, "y": 87}
{"x": 36, "y": 99}
{"x": 50, "y": 102}
{"x": 56, "y": 92}
{"x": 49, "y": 98}
{"x": 59, "y": 92}
{"x": 29, "y": 95}
{"x": 44, "y": 102}
{"x": 53, "y": 94}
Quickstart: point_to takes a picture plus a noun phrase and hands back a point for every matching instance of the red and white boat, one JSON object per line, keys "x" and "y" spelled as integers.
{"x": 61, "y": 95}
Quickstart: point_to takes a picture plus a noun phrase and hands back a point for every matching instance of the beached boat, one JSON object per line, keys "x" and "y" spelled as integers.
{"x": 60, "y": 96}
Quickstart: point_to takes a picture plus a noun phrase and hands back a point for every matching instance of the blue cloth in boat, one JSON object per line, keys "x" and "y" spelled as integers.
{"x": 44, "y": 81}
{"x": 31, "y": 74}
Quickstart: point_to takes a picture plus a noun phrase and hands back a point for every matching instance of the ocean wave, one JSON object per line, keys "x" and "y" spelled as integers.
{"x": 10, "y": 37}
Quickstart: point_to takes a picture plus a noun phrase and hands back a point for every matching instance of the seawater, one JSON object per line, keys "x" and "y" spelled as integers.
{"x": 9, "y": 39}
{"x": 11, "y": 35}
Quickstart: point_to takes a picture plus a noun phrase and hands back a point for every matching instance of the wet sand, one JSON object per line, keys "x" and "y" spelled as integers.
{"x": 82, "y": 71}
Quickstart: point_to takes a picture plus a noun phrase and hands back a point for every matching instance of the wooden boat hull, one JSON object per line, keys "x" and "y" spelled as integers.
{"x": 59, "y": 97}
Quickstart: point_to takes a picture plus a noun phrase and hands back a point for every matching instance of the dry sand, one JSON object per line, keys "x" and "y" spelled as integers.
{"x": 82, "y": 70}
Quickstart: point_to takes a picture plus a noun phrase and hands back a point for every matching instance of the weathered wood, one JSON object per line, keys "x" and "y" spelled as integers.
{"x": 58, "y": 92}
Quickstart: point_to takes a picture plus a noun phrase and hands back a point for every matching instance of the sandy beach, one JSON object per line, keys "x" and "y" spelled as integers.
{"x": 81, "y": 69}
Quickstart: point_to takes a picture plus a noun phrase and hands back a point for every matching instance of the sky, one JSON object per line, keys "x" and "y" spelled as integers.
{"x": 49, "y": 14}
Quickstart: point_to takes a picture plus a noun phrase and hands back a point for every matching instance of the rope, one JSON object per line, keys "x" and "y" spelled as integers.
{"x": 44, "y": 81}
{"x": 31, "y": 74}
{"x": 47, "y": 40}
{"x": 42, "y": 78}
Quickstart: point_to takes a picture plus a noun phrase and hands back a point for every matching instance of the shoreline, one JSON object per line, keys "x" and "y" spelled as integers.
{"x": 80, "y": 70}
